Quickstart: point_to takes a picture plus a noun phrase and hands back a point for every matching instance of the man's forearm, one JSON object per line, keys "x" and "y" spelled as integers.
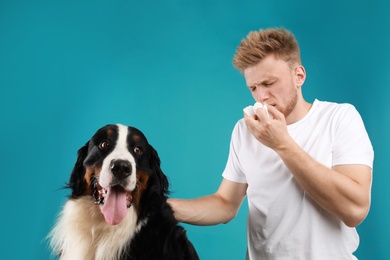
{"x": 209, "y": 210}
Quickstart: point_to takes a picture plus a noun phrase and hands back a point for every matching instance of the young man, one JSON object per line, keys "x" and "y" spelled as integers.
{"x": 305, "y": 169}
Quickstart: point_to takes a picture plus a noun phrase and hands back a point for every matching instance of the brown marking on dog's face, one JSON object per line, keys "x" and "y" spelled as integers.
{"x": 136, "y": 138}
{"x": 89, "y": 172}
{"x": 109, "y": 131}
{"x": 142, "y": 184}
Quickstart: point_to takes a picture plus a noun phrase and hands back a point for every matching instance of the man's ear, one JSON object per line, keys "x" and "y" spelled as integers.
{"x": 300, "y": 75}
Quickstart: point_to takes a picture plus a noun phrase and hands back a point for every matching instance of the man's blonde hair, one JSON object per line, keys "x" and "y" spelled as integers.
{"x": 259, "y": 44}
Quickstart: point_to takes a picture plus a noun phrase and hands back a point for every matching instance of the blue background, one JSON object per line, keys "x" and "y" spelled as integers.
{"x": 70, "y": 67}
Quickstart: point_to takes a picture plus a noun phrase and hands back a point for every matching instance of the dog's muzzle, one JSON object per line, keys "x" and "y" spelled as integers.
{"x": 100, "y": 193}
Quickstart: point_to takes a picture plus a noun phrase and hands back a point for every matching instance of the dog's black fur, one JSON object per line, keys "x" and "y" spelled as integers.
{"x": 155, "y": 233}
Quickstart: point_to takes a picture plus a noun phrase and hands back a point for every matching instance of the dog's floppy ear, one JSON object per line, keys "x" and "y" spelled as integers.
{"x": 162, "y": 179}
{"x": 76, "y": 181}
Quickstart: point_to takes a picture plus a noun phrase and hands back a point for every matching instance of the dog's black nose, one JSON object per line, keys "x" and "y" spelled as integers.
{"x": 121, "y": 168}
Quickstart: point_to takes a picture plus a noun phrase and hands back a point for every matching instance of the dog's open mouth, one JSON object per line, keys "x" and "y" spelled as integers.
{"x": 115, "y": 201}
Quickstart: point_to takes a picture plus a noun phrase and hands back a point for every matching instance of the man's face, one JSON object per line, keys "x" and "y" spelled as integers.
{"x": 274, "y": 83}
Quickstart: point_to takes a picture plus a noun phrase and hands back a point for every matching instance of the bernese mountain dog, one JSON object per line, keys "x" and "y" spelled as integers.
{"x": 118, "y": 206}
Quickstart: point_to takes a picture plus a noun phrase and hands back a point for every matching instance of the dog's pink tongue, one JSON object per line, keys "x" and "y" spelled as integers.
{"x": 114, "y": 208}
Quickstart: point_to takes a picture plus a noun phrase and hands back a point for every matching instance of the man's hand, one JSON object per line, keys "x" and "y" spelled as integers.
{"x": 271, "y": 132}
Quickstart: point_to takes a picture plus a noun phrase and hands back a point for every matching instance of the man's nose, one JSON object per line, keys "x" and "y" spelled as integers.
{"x": 262, "y": 95}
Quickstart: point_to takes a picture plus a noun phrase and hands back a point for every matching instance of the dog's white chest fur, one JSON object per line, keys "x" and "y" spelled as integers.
{"x": 81, "y": 232}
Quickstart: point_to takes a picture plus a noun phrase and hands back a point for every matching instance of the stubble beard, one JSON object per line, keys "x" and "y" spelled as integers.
{"x": 292, "y": 101}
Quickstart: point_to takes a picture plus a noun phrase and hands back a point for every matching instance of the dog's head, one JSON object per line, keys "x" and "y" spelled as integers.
{"x": 115, "y": 167}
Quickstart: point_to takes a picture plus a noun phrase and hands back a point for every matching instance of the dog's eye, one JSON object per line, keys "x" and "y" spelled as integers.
{"x": 104, "y": 145}
{"x": 137, "y": 151}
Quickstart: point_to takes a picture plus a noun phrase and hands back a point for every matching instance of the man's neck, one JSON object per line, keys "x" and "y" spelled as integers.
{"x": 300, "y": 111}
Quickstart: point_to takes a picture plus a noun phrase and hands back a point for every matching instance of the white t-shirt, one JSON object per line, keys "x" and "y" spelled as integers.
{"x": 283, "y": 221}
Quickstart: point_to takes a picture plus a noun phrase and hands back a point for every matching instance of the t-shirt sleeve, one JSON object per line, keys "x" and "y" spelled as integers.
{"x": 351, "y": 142}
{"x": 233, "y": 170}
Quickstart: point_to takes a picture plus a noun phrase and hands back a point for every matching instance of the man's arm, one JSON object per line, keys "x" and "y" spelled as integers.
{"x": 343, "y": 190}
{"x": 220, "y": 207}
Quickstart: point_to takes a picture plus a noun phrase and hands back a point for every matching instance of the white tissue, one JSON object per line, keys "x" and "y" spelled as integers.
{"x": 258, "y": 105}
{"x": 250, "y": 110}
